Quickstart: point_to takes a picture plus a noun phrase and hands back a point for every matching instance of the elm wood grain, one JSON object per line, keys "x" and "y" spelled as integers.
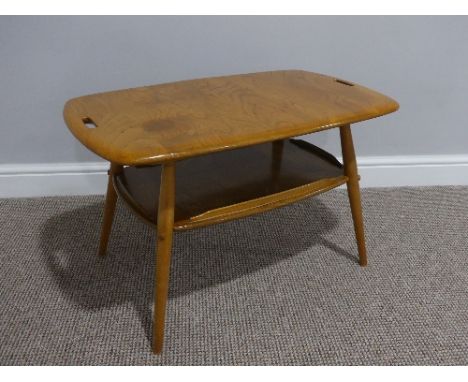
{"x": 218, "y": 187}
{"x": 351, "y": 171}
{"x": 167, "y": 122}
{"x": 163, "y": 252}
{"x": 109, "y": 209}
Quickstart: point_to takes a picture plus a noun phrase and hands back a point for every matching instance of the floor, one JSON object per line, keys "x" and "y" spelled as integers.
{"x": 280, "y": 288}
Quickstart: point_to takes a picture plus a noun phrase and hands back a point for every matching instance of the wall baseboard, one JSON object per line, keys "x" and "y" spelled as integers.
{"x": 52, "y": 179}
{"x": 413, "y": 170}
{"x": 56, "y": 179}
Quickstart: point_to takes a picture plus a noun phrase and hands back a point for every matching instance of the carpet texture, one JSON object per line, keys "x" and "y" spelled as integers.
{"x": 280, "y": 288}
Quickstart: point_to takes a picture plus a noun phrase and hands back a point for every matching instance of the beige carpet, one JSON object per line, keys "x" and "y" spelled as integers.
{"x": 280, "y": 288}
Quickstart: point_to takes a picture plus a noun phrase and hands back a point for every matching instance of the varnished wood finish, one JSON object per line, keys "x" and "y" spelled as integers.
{"x": 228, "y": 185}
{"x": 168, "y": 122}
{"x": 229, "y": 138}
{"x": 263, "y": 204}
{"x": 163, "y": 252}
{"x": 109, "y": 209}
{"x": 350, "y": 169}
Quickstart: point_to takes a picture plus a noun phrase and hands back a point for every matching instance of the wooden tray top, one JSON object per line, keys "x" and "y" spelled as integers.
{"x": 162, "y": 123}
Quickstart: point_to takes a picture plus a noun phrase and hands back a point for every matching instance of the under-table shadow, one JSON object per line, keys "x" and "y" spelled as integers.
{"x": 201, "y": 258}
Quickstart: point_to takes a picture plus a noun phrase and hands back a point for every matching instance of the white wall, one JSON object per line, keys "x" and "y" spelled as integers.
{"x": 420, "y": 61}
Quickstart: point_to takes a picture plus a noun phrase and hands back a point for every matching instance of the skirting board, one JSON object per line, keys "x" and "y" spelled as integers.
{"x": 54, "y": 179}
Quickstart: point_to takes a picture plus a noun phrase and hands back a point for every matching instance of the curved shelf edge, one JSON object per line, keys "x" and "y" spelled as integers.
{"x": 261, "y": 177}
{"x": 239, "y": 210}
{"x": 263, "y": 204}
{"x": 130, "y": 202}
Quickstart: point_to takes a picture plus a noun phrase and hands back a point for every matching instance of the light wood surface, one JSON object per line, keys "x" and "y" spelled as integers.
{"x": 156, "y": 124}
{"x": 163, "y": 252}
{"x": 228, "y": 185}
{"x": 109, "y": 209}
{"x": 351, "y": 171}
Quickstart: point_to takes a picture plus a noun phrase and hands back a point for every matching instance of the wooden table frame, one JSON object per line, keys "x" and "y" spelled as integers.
{"x": 165, "y": 222}
{"x": 145, "y": 133}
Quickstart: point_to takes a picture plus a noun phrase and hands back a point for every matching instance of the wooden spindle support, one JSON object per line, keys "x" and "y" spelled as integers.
{"x": 350, "y": 170}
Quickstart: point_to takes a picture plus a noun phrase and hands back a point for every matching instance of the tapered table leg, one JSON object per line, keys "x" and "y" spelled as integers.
{"x": 109, "y": 210}
{"x": 164, "y": 228}
{"x": 350, "y": 169}
{"x": 276, "y": 158}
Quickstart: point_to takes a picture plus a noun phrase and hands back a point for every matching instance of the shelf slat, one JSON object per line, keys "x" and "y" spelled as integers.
{"x": 232, "y": 184}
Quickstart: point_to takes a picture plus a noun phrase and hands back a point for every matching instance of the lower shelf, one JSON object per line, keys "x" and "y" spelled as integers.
{"x": 235, "y": 183}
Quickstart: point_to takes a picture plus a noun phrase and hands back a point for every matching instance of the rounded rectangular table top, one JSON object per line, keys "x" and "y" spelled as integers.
{"x": 167, "y": 122}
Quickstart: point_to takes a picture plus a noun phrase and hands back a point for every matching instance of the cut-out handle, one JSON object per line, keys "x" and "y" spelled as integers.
{"x": 89, "y": 123}
{"x": 344, "y": 82}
